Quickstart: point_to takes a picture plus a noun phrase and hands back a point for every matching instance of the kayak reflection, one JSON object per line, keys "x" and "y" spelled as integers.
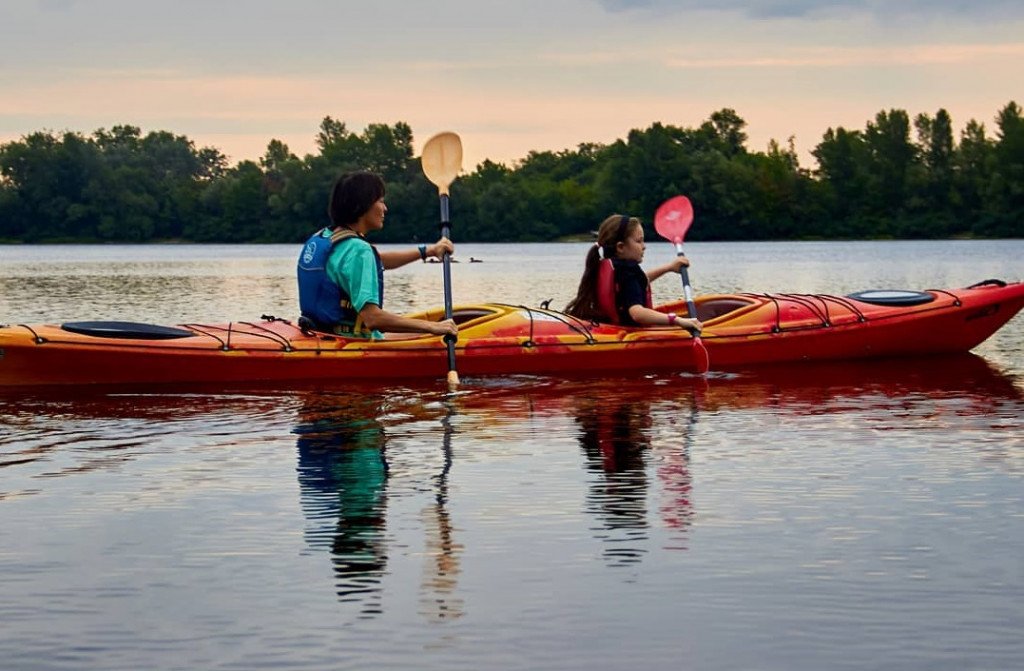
{"x": 637, "y": 434}
{"x": 967, "y": 382}
{"x": 639, "y": 439}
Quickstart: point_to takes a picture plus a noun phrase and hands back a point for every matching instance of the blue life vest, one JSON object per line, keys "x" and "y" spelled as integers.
{"x": 320, "y": 299}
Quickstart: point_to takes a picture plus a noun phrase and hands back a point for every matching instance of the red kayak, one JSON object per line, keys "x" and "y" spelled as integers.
{"x": 740, "y": 331}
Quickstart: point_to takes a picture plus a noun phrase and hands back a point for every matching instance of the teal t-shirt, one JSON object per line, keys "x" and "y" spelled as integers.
{"x": 352, "y": 265}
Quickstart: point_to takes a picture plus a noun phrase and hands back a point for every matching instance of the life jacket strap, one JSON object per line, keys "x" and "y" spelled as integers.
{"x": 339, "y": 234}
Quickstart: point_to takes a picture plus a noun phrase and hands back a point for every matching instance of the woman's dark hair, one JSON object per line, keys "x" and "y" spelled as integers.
{"x": 353, "y": 194}
{"x": 613, "y": 230}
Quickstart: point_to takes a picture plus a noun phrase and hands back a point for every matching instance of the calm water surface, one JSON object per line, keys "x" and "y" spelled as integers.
{"x": 865, "y": 516}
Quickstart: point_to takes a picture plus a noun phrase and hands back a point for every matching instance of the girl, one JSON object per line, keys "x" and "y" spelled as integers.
{"x": 620, "y": 241}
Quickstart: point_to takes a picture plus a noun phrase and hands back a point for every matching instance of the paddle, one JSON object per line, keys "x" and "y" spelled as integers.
{"x": 672, "y": 220}
{"x": 442, "y": 161}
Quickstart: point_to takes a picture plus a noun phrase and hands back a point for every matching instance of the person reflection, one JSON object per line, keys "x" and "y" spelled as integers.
{"x": 343, "y": 475}
{"x": 616, "y": 448}
{"x": 616, "y": 437}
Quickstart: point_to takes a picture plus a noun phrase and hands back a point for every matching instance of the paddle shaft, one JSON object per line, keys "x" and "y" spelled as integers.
{"x": 446, "y": 267}
{"x": 691, "y": 307}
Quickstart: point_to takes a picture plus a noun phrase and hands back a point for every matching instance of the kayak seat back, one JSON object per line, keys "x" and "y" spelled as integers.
{"x": 606, "y": 292}
{"x": 126, "y": 330}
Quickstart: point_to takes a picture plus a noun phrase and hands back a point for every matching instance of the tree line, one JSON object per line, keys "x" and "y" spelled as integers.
{"x": 897, "y": 177}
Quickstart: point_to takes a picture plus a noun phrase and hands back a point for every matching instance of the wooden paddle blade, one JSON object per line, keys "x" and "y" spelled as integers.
{"x": 673, "y": 218}
{"x": 453, "y": 380}
{"x": 442, "y": 160}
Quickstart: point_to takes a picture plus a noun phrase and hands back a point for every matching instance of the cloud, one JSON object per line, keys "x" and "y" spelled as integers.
{"x": 783, "y": 9}
{"x": 789, "y": 56}
{"x": 56, "y": 5}
{"x": 955, "y": 54}
{"x": 512, "y": 77}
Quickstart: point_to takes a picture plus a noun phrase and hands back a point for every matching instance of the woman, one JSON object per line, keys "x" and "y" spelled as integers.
{"x": 341, "y": 275}
{"x": 620, "y": 239}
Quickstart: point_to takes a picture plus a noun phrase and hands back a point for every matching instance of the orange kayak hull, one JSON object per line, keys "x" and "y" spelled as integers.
{"x": 740, "y": 330}
{"x": 494, "y": 340}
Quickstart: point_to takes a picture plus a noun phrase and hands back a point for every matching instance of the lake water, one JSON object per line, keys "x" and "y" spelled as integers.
{"x": 866, "y": 516}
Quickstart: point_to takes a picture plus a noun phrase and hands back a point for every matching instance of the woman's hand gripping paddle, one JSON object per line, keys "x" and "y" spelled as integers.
{"x": 442, "y": 161}
{"x": 672, "y": 220}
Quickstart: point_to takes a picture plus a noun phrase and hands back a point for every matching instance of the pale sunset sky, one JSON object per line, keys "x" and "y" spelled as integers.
{"x": 509, "y": 77}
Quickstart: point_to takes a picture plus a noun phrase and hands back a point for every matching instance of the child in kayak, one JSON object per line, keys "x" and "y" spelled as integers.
{"x": 341, "y": 275}
{"x": 620, "y": 243}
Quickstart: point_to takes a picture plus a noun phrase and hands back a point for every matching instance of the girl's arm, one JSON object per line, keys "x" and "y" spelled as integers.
{"x": 648, "y": 317}
{"x": 672, "y": 266}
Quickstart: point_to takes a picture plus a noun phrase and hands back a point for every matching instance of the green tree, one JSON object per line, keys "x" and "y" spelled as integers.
{"x": 236, "y": 207}
{"x": 1007, "y": 186}
{"x": 724, "y": 130}
{"x": 121, "y": 184}
{"x": 933, "y": 189}
{"x": 891, "y": 157}
{"x": 974, "y": 163}
{"x": 47, "y": 175}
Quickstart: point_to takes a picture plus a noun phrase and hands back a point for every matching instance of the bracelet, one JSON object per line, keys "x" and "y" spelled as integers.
{"x": 423, "y": 252}
{"x": 671, "y": 318}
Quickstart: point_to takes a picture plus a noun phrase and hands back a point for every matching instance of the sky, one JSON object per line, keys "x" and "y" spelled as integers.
{"x": 509, "y": 76}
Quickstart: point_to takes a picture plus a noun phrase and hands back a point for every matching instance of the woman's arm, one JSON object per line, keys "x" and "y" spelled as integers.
{"x": 381, "y": 320}
{"x": 398, "y": 258}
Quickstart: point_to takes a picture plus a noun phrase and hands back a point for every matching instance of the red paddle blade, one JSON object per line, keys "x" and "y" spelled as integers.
{"x": 673, "y": 218}
{"x": 701, "y": 360}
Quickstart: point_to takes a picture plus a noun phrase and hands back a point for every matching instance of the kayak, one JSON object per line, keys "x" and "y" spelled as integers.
{"x": 740, "y": 331}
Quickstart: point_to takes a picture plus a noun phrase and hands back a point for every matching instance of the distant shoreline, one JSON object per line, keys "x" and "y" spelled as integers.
{"x": 566, "y": 239}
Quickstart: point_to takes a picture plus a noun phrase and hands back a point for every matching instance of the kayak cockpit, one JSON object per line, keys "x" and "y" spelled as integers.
{"x": 713, "y": 307}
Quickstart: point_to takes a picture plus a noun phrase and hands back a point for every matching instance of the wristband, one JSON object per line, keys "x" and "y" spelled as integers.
{"x": 671, "y": 318}
{"x": 423, "y": 252}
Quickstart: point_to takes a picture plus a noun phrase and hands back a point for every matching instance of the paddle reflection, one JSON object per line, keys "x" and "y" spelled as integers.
{"x": 438, "y": 597}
